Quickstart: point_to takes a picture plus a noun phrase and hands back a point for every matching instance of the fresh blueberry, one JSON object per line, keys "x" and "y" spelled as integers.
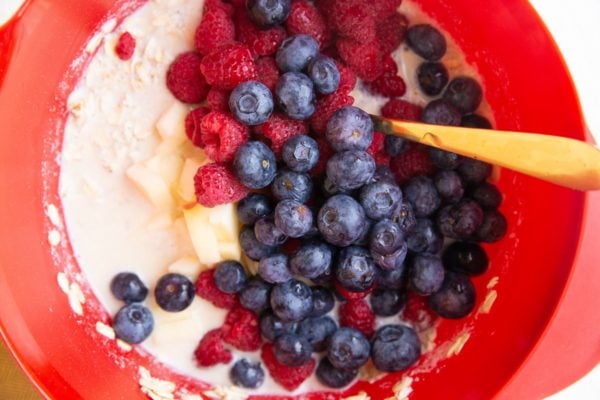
{"x": 493, "y": 227}
{"x": 444, "y": 159}
{"x": 395, "y": 348}
{"x": 365, "y": 236}
{"x": 341, "y": 220}
{"x": 383, "y": 173}
{"x": 253, "y": 207}
{"x": 254, "y": 249}
{"x": 392, "y": 260}
{"x": 426, "y": 41}
{"x": 422, "y": 194}
{"x": 133, "y": 323}
{"x": 456, "y": 297}
{"x": 312, "y": 259}
{"x": 386, "y": 237}
{"x": 394, "y": 145}
{"x": 267, "y": 232}
{"x": 128, "y": 287}
{"x": 405, "y": 217}
{"x": 292, "y": 300}
{"x": 432, "y": 78}
{"x": 295, "y": 95}
{"x": 255, "y": 296}
{"x": 292, "y": 350}
{"x": 441, "y": 112}
{"x": 354, "y": 269}
{"x": 247, "y": 374}
{"x": 324, "y": 73}
{"x": 449, "y": 186}
{"x": 386, "y": 303}
{"x": 466, "y": 257}
{"x": 255, "y": 165}
{"x": 230, "y": 276}
{"x": 328, "y": 189}
{"x": 464, "y": 93}
{"x": 300, "y": 153}
{"x": 350, "y": 128}
{"x": 348, "y": 349}
{"x": 323, "y": 301}
{"x": 293, "y": 218}
{"x": 426, "y": 274}
{"x": 380, "y": 199}
{"x": 487, "y": 195}
{"x": 350, "y": 169}
{"x": 391, "y": 278}
{"x": 292, "y": 185}
{"x": 296, "y": 52}
{"x": 474, "y": 171}
{"x": 475, "y": 121}
{"x": 274, "y": 269}
{"x": 251, "y": 103}
{"x": 425, "y": 238}
{"x": 174, "y": 292}
{"x": 267, "y": 13}
{"x": 461, "y": 220}
{"x": 333, "y": 377}
{"x": 324, "y": 279}
{"x": 271, "y": 326}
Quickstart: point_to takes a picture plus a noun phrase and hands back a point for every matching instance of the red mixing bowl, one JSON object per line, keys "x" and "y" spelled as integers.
{"x": 540, "y": 335}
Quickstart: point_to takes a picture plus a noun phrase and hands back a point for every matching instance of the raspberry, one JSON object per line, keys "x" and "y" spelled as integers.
{"x": 353, "y": 19}
{"x": 211, "y": 351}
{"x": 377, "y": 143}
{"x": 383, "y": 8}
{"x": 184, "y": 79}
{"x": 260, "y": 42}
{"x": 304, "y": 18}
{"x": 363, "y": 58}
{"x": 288, "y": 377}
{"x": 411, "y": 163}
{"x": 125, "y": 46}
{"x": 228, "y": 65}
{"x": 192, "y": 125}
{"x": 417, "y": 312}
{"x": 347, "y": 78}
{"x": 382, "y": 158}
{"x": 267, "y": 71}
{"x": 242, "y": 330}
{"x": 211, "y": 5}
{"x": 325, "y": 153}
{"x": 358, "y": 315}
{"x": 325, "y": 7}
{"x": 208, "y": 290}
{"x": 388, "y": 84}
{"x": 280, "y": 128}
{"x": 325, "y": 108}
{"x": 217, "y": 99}
{"x": 401, "y": 109}
{"x": 352, "y": 296}
{"x": 391, "y": 31}
{"x": 222, "y": 135}
{"x": 215, "y": 29}
{"x": 215, "y": 184}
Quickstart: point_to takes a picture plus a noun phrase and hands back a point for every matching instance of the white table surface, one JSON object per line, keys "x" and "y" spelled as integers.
{"x": 574, "y": 25}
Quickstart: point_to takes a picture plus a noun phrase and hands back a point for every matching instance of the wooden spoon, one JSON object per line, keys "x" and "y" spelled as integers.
{"x": 566, "y": 162}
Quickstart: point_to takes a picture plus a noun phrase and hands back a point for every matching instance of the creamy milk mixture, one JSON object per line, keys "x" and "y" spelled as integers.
{"x": 127, "y": 173}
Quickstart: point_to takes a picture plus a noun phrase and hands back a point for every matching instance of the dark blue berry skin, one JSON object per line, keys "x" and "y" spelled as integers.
{"x": 444, "y": 159}
{"x": 271, "y": 326}
{"x": 456, "y": 297}
{"x": 464, "y": 93}
{"x": 174, "y": 292}
{"x": 328, "y": 189}
{"x": 475, "y": 121}
{"x": 348, "y": 349}
{"x": 426, "y": 274}
{"x": 449, "y": 186}
{"x": 363, "y": 239}
{"x": 312, "y": 259}
{"x": 274, "y": 269}
{"x": 251, "y": 103}
{"x": 474, "y": 171}
{"x": 492, "y": 228}
{"x": 230, "y": 276}
{"x": 461, "y": 220}
{"x": 267, "y": 232}
{"x": 323, "y": 301}
{"x": 333, "y": 377}
{"x": 383, "y": 173}
{"x": 255, "y": 295}
{"x": 422, "y": 195}
{"x": 255, "y": 165}
{"x": 380, "y": 199}
{"x": 392, "y": 260}
{"x": 405, "y": 217}
{"x": 350, "y": 128}
{"x": 324, "y": 73}
{"x": 295, "y": 95}
{"x": 394, "y": 145}
{"x": 386, "y": 303}
{"x": 253, "y": 207}
{"x": 355, "y": 269}
{"x": 341, "y": 220}
{"x": 291, "y": 301}
{"x": 296, "y": 52}
{"x": 292, "y": 185}
{"x": 386, "y": 237}
{"x": 487, "y": 195}
{"x": 441, "y": 112}
{"x": 350, "y": 169}
{"x": 128, "y": 287}
{"x": 247, "y": 374}
{"x": 392, "y": 278}
{"x": 466, "y": 257}
{"x": 426, "y": 238}
{"x": 395, "y": 348}
{"x": 293, "y": 218}
{"x": 254, "y": 249}
{"x": 432, "y": 78}
{"x": 133, "y": 323}
{"x": 267, "y": 13}
{"x": 426, "y": 41}
{"x": 292, "y": 349}
{"x": 300, "y": 153}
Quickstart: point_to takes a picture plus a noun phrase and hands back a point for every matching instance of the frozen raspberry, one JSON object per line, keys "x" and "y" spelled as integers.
{"x": 222, "y": 135}
{"x": 326, "y": 106}
{"x": 267, "y": 71}
{"x": 184, "y": 79}
{"x": 217, "y": 99}
{"x": 358, "y": 315}
{"x": 347, "y": 78}
{"x": 325, "y": 153}
{"x": 261, "y": 42}
{"x": 215, "y": 29}
{"x": 353, "y": 19}
{"x": 228, "y": 65}
{"x": 352, "y": 296}
{"x": 377, "y": 143}
{"x": 391, "y": 31}
{"x": 125, "y": 46}
{"x": 211, "y": 351}
{"x": 215, "y": 184}
{"x": 288, "y": 377}
{"x": 208, "y": 290}
{"x": 279, "y": 128}
{"x": 417, "y": 312}
{"x": 401, "y": 109}
{"x": 304, "y": 18}
{"x": 211, "y": 5}
{"x": 192, "y": 125}
{"x": 242, "y": 329}
{"x": 410, "y": 163}
{"x": 383, "y": 8}
{"x": 389, "y": 83}
{"x": 364, "y": 58}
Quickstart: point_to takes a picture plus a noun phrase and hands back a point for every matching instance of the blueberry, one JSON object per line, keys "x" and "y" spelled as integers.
{"x": 323, "y": 301}
{"x": 405, "y": 217}
{"x": 350, "y": 128}
{"x": 474, "y": 171}
{"x": 253, "y": 207}
{"x": 128, "y": 287}
{"x": 475, "y": 121}
{"x": 493, "y": 227}
{"x": 426, "y": 274}
{"x": 350, "y": 169}
{"x": 380, "y": 199}
{"x": 329, "y": 189}
{"x": 394, "y": 145}
{"x": 392, "y": 260}
{"x": 293, "y": 218}
{"x": 292, "y": 185}
{"x": 296, "y": 52}
{"x": 254, "y": 249}
{"x": 426, "y": 238}
{"x": 432, "y": 78}
{"x": 348, "y": 349}
{"x": 255, "y": 165}
{"x": 354, "y": 269}
{"x": 291, "y": 301}
{"x": 271, "y": 326}
{"x": 456, "y": 297}
{"x": 487, "y": 195}
{"x": 300, "y": 153}
{"x": 464, "y": 93}
{"x": 324, "y": 73}
{"x": 441, "y": 112}
{"x": 383, "y": 173}
{"x": 274, "y": 269}
{"x": 395, "y": 348}
{"x": 422, "y": 194}
{"x": 449, "y": 186}
{"x": 426, "y": 41}
{"x": 391, "y": 278}
{"x": 466, "y": 257}
{"x": 363, "y": 239}
{"x": 251, "y": 103}
{"x": 341, "y": 220}
{"x": 333, "y": 377}
{"x": 444, "y": 159}
{"x": 230, "y": 276}
{"x": 133, "y": 323}
{"x": 255, "y": 296}
{"x": 324, "y": 279}
{"x": 292, "y": 350}
{"x": 295, "y": 95}
{"x": 267, "y": 232}
{"x": 312, "y": 259}
{"x": 461, "y": 220}
{"x": 247, "y": 374}
{"x": 174, "y": 292}
{"x": 386, "y": 303}
{"x": 386, "y": 237}
{"x": 267, "y": 13}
